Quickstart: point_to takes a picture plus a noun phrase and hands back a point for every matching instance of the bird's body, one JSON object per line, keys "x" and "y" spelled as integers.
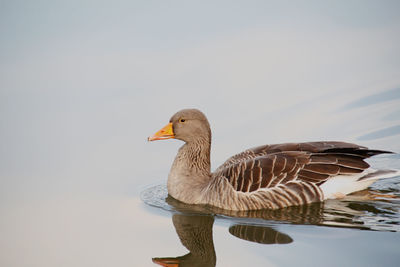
{"x": 265, "y": 177}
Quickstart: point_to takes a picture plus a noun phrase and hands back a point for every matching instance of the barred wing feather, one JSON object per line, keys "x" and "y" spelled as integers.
{"x": 312, "y": 163}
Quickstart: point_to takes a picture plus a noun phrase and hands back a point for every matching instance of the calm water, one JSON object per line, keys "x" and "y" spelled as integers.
{"x": 106, "y": 205}
{"x": 93, "y": 201}
{"x": 83, "y": 83}
{"x": 306, "y": 233}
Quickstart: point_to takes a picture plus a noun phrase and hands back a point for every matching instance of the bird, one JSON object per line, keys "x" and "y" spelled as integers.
{"x": 270, "y": 176}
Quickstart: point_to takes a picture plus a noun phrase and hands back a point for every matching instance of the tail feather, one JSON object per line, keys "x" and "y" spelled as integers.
{"x": 380, "y": 174}
{"x": 342, "y": 185}
{"x": 356, "y": 151}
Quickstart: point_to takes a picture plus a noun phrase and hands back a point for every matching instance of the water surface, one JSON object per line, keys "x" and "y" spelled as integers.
{"x": 83, "y": 83}
{"x": 312, "y": 234}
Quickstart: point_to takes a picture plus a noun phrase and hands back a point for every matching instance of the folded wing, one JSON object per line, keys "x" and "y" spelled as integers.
{"x": 290, "y": 164}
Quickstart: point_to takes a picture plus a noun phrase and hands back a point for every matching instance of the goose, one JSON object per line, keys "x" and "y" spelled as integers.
{"x": 265, "y": 177}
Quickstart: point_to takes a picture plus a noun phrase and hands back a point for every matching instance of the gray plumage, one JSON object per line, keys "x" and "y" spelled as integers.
{"x": 265, "y": 177}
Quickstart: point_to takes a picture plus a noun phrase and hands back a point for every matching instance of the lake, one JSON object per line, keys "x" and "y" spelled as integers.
{"x": 83, "y": 84}
{"x": 100, "y": 210}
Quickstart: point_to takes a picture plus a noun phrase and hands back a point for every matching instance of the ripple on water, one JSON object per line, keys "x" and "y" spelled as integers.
{"x": 375, "y": 209}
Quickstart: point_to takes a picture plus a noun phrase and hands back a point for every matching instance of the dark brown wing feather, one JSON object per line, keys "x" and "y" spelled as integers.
{"x": 313, "y": 162}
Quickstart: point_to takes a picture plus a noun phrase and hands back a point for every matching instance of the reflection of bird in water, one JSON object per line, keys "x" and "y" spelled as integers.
{"x": 259, "y": 234}
{"x": 195, "y": 233}
{"x": 265, "y": 177}
{"x": 194, "y": 223}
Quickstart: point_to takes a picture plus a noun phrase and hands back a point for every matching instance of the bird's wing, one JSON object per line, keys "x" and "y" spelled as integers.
{"x": 313, "y": 162}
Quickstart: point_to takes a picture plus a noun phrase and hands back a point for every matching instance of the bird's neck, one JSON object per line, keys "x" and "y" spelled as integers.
{"x": 191, "y": 172}
{"x": 196, "y": 156}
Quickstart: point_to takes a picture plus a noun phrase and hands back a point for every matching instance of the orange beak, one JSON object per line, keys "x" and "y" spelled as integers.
{"x": 165, "y": 133}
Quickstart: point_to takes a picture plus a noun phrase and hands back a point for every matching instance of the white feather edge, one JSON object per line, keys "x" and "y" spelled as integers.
{"x": 341, "y": 185}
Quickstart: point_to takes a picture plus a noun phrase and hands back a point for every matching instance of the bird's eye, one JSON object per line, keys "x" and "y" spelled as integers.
{"x": 182, "y": 120}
